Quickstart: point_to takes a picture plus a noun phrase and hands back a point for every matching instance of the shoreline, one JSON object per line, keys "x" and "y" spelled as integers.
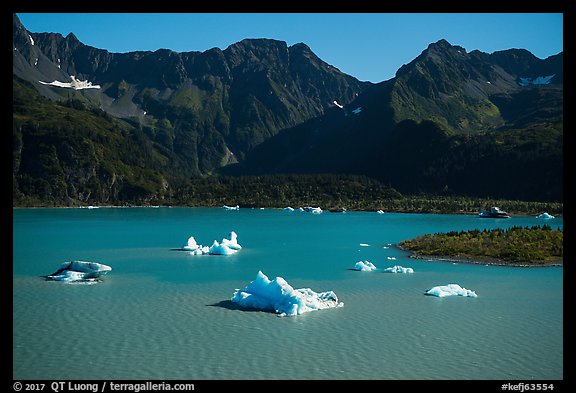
{"x": 327, "y": 210}
{"x": 480, "y": 261}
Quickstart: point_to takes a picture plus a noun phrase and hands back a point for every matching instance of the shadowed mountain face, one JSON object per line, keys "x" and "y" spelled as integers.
{"x": 488, "y": 125}
{"x": 449, "y": 122}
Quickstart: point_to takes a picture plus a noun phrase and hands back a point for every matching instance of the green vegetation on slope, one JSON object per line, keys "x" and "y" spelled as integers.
{"x": 64, "y": 152}
{"x": 536, "y": 245}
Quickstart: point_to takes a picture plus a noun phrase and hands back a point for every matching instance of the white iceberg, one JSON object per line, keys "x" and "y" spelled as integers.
{"x": 220, "y": 249}
{"x": 288, "y": 209}
{"x": 380, "y": 212}
{"x": 391, "y": 258}
{"x": 191, "y": 245}
{"x": 314, "y": 210}
{"x": 231, "y": 207}
{"x": 75, "y": 271}
{"x": 228, "y": 246}
{"x": 545, "y": 216}
{"x": 399, "y": 269}
{"x": 364, "y": 266}
{"x": 231, "y": 241}
{"x": 278, "y": 296}
{"x": 450, "y": 290}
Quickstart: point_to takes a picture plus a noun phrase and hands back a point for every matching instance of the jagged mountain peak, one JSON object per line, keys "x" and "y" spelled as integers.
{"x": 196, "y": 112}
{"x": 72, "y": 37}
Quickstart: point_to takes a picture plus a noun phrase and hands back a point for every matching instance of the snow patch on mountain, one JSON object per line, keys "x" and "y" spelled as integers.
{"x": 75, "y": 84}
{"x": 541, "y": 80}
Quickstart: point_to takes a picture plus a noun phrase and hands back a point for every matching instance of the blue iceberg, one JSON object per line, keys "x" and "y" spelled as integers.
{"x": 450, "y": 290}
{"x": 279, "y": 297}
{"x": 545, "y": 216}
{"x": 399, "y": 269}
{"x": 79, "y": 271}
{"x": 364, "y": 266}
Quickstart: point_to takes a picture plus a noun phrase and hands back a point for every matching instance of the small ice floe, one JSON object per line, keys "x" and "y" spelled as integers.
{"x": 231, "y": 207}
{"x": 391, "y": 258}
{"x": 364, "y": 266}
{"x": 337, "y": 104}
{"x": 450, "y": 290}
{"x": 195, "y": 248}
{"x": 228, "y": 246}
{"x": 380, "y": 212}
{"x": 313, "y": 210}
{"x": 399, "y": 269}
{"x": 288, "y": 209}
{"x": 79, "y": 271}
{"x": 364, "y": 245}
{"x": 279, "y": 297}
{"x": 545, "y": 216}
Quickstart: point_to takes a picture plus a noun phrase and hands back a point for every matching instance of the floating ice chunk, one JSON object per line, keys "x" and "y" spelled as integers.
{"x": 450, "y": 290}
{"x": 231, "y": 241}
{"x": 231, "y": 207}
{"x": 380, "y": 212}
{"x": 191, "y": 245}
{"x": 545, "y": 216}
{"x": 278, "y": 296}
{"x": 364, "y": 245}
{"x": 228, "y": 246}
{"x": 391, "y": 258}
{"x": 337, "y": 104}
{"x": 288, "y": 209}
{"x": 365, "y": 266}
{"x": 314, "y": 210}
{"x": 357, "y": 110}
{"x": 399, "y": 269}
{"x": 201, "y": 250}
{"x": 75, "y": 271}
{"x": 220, "y": 249}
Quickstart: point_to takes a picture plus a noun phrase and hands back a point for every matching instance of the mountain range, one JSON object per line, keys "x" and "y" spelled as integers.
{"x": 95, "y": 126}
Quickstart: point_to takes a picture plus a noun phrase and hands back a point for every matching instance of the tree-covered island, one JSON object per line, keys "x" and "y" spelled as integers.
{"x": 515, "y": 246}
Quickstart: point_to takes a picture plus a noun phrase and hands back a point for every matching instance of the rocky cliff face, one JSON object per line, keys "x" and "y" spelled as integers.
{"x": 449, "y": 121}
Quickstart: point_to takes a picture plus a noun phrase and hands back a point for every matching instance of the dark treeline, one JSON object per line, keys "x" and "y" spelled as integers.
{"x": 329, "y": 191}
{"x": 532, "y": 245}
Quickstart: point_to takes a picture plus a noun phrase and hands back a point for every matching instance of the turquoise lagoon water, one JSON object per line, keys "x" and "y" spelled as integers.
{"x": 164, "y": 314}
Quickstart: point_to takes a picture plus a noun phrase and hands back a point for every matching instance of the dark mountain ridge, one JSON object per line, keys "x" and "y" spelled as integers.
{"x": 449, "y": 122}
{"x": 248, "y": 92}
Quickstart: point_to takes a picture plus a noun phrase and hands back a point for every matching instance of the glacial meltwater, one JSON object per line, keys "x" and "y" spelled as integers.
{"x": 162, "y": 313}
